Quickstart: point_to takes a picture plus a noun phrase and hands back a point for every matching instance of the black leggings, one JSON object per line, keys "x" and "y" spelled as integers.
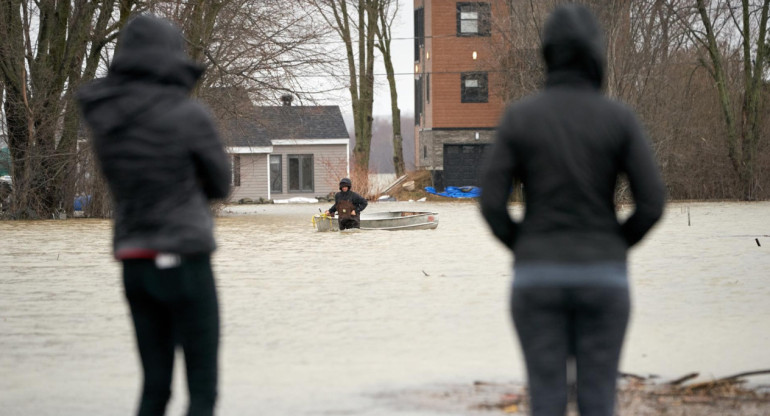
{"x": 175, "y": 306}
{"x": 584, "y": 325}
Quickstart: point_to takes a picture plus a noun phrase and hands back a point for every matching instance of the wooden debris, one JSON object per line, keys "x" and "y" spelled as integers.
{"x": 682, "y": 379}
{"x": 632, "y": 376}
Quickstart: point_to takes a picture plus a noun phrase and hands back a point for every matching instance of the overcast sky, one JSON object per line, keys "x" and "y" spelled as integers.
{"x": 403, "y": 63}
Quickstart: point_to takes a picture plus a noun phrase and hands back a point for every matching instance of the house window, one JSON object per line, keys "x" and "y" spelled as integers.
{"x": 235, "y": 171}
{"x": 301, "y": 173}
{"x": 473, "y": 87}
{"x": 276, "y": 174}
{"x": 473, "y": 19}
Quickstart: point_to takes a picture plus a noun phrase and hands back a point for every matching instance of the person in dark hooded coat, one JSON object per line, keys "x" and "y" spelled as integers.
{"x": 349, "y": 206}
{"x": 567, "y": 145}
{"x": 164, "y": 163}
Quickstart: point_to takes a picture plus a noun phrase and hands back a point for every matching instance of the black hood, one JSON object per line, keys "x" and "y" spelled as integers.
{"x": 149, "y": 68}
{"x": 153, "y": 49}
{"x": 573, "y": 47}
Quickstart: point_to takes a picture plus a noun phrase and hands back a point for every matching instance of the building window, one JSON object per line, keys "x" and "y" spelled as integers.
{"x": 276, "y": 174}
{"x": 473, "y": 87}
{"x": 301, "y": 173}
{"x": 417, "y": 99}
{"x": 427, "y": 87}
{"x": 473, "y": 19}
{"x": 419, "y": 32}
{"x": 425, "y": 152}
{"x": 235, "y": 171}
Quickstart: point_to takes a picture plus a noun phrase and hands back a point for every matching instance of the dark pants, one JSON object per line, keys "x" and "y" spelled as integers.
{"x": 584, "y": 325}
{"x": 175, "y": 306}
{"x": 349, "y": 222}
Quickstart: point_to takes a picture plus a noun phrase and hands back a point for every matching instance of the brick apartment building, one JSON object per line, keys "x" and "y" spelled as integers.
{"x": 456, "y": 111}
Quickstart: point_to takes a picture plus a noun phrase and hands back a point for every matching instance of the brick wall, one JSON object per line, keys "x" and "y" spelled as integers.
{"x": 449, "y": 56}
{"x": 444, "y": 57}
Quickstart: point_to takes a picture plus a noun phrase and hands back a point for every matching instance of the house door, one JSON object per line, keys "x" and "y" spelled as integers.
{"x": 462, "y": 164}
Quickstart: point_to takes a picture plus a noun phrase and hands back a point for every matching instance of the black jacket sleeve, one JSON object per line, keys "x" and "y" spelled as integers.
{"x": 645, "y": 182}
{"x": 333, "y": 209}
{"x": 359, "y": 202}
{"x": 211, "y": 161}
{"x": 497, "y": 177}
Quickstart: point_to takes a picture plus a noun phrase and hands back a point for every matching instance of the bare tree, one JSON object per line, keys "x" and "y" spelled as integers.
{"x": 47, "y": 50}
{"x": 50, "y": 48}
{"x": 387, "y": 12}
{"x": 518, "y": 52}
{"x": 355, "y": 22}
{"x": 657, "y": 66}
{"x": 748, "y": 21}
{"x": 268, "y": 48}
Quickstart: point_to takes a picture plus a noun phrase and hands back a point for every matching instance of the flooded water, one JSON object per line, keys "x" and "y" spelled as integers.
{"x": 322, "y": 323}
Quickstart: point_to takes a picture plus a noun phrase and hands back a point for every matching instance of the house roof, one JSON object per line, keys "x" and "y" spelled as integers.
{"x": 243, "y": 132}
{"x": 264, "y": 124}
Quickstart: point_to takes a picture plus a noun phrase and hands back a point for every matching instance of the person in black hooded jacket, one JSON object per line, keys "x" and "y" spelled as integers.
{"x": 163, "y": 162}
{"x": 349, "y": 206}
{"x": 567, "y": 145}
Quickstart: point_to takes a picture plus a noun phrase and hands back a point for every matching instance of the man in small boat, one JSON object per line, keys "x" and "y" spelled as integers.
{"x": 348, "y": 205}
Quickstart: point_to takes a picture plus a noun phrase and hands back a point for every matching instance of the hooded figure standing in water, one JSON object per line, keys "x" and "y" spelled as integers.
{"x": 348, "y": 205}
{"x": 164, "y": 163}
{"x": 567, "y": 145}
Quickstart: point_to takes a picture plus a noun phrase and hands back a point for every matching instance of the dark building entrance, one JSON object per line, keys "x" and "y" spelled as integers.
{"x": 462, "y": 164}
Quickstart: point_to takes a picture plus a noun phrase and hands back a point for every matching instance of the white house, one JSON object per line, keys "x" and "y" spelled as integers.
{"x": 280, "y": 152}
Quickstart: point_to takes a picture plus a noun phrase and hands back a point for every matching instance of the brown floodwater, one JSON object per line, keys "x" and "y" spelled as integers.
{"x": 323, "y": 323}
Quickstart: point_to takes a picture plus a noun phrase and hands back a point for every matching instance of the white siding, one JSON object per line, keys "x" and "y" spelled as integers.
{"x": 329, "y": 166}
{"x": 253, "y": 178}
{"x": 329, "y": 162}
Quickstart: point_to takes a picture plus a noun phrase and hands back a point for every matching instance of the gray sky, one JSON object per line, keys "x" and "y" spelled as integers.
{"x": 403, "y": 63}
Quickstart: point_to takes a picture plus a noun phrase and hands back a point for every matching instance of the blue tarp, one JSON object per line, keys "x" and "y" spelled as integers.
{"x": 81, "y": 202}
{"x": 456, "y": 192}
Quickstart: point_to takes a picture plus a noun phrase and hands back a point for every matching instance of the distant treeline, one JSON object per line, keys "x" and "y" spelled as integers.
{"x": 381, "y": 158}
{"x": 701, "y": 92}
